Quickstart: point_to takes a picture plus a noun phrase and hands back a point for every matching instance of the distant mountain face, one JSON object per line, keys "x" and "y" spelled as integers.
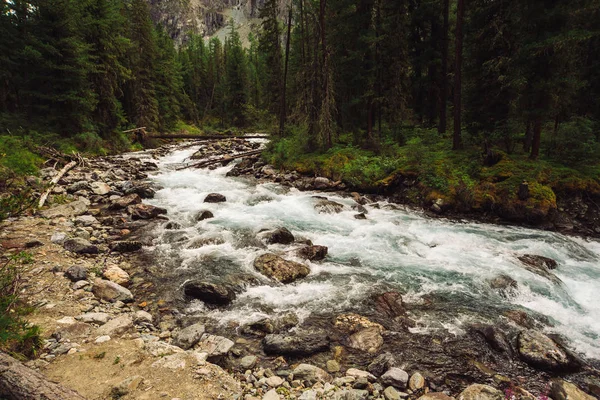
{"x": 203, "y": 17}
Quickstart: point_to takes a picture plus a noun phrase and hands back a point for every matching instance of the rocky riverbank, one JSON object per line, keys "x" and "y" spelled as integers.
{"x": 112, "y": 331}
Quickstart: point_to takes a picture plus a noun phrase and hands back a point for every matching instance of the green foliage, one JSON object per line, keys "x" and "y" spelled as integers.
{"x": 16, "y": 335}
{"x": 577, "y": 142}
{"x": 17, "y": 156}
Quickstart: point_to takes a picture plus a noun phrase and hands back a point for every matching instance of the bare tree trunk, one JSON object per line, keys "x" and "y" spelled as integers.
{"x": 283, "y": 110}
{"x": 537, "y": 138}
{"x": 17, "y": 382}
{"x": 54, "y": 181}
{"x": 457, "y": 140}
{"x": 444, "y": 86}
{"x": 528, "y": 138}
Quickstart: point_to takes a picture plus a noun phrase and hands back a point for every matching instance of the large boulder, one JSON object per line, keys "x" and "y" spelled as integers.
{"x": 280, "y": 269}
{"x": 210, "y": 293}
{"x": 279, "y": 235}
{"x": 321, "y": 183}
{"x": 312, "y": 253}
{"x": 110, "y": 291}
{"x": 189, "y": 337}
{"x": 295, "y": 345}
{"x": 541, "y": 266}
{"x": 325, "y": 206}
{"x": 142, "y": 190}
{"x": 215, "y": 198}
{"x": 310, "y": 373}
{"x": 145, "y": 211}
{"x": 539, "y": 351}
{"x": 562, "y": 390}
{"x": 202, "y": 215}
{"x": 76, "y": 273}
{"x": 69, "y": 210}
{"x": 117, "y": 326}
{"x": 125, "y": 201}
{"x": 481, "y": 392}
{"x": 80, "y": 246}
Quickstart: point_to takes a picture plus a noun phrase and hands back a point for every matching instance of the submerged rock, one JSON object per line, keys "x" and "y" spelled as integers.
{"x": 280, "y": 269}
{"x": 210, "y": 293}
{"x": 539, "y": 351}
{"x": 504, "y": 284}
{"x": 538, "y": 261}
{"x": 125, "y": 201}
{"x": 295, "y": 345}
{"x": 215, "y": 198}
{"x": 390, "y": 304}
{"x": 126, "y": 246}
{"x": 325, "y": 206}
{"x": 202, "y": 215}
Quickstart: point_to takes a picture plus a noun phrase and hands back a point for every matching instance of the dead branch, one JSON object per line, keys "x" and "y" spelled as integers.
{"x": 54, "y": 181}
{"x": 226, "y": 157}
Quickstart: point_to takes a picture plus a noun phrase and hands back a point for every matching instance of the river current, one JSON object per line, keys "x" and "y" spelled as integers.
{"x": 393, "y": 249}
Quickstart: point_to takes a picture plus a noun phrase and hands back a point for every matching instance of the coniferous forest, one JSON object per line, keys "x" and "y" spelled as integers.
{"x": 356, "y": 90}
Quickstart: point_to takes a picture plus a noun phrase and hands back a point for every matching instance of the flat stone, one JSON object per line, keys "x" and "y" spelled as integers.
{"x": 274, "y": 381}
{"x": 94, "y": 318}
{"x": 125, "y": 201}
{"x": 59, "y": 237}
{"x": 111, "y": 291}
{"x": 311, "y": 374}
{"x": 562, "y": 390}
{"x": 161, "y": 349}
{"x": 80, "y": 246}
{"x": 368, "y": 340}
{"x": 539, "y": 351}
{"x": 142, "y": 316}
{"x": 248, "y": 362}
{"x": 116, "y": 326}
{"x": 85, "y": 220}
{"x": 215, "y": 345}
{"x": 271, "y": 395}
{"x": 69, "y": 210}
{"x": 172, "y": 361}
{"x": 76, "y": 273}
{"x": 145, "y": 211}
{"x": 481, "y": 392}
{"x": 295, "y": 345}
{"x": 80, "y": 285}
{"x": 280, "y": 269}
{"x": 189, "y": 336}
{"x": 358, "y": 373}
{"x": 100, "y": 188}
{"x": 66, "y": 321}
{"x": 435, "y": 396}
{"x": 116, "y": 275}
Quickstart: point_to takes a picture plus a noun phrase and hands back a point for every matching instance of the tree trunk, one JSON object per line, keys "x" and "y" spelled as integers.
{"x": 17, "y": 382}
{"x": 444, "y": 85}
{"x": 537, "y": 138}
{"x": 460, "y": 13}
{"x": 283, "y": 110}
{"x": 528, "y": 138}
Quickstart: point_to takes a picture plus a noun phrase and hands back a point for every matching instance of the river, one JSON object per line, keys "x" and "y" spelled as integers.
{"x": 393, "y": 249}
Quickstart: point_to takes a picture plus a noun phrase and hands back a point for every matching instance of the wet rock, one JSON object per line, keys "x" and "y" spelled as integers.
{"x": 172, "y": 225}
{"x": 143, "y": 190}
{"x": 279, "y": 235}
{"x": 313, "y": 253}
{"x": 189, "y": 336}
{"x": 480, "y": 392}
{"x": 390, "y": 304}
{"x": 280, "y": 269}
{"x": 260, "y": 327}
{"x": 321, "y": 183}
{"x": 562, "y": 390}
{"x": 504, "y": 284}
{"x": 205, "y": 241}
{"x": 496, "y": 339}
{"x": 215, "y": 198}
{"x": 76, "y": 273}
{"x": 100, "y": 188}
{"x": 368, "y": 340}
{"x": 325, "y": 206}
{"x": 350, "y": 323}
{"x": 80, "y": 246}
{"x": 416, "y": 382}
{"x": 520, "y": 318}
{"x": 539, "y": 351}
{"x": 110, "y": 291}
{"x": 391, "y": 394}
{"x": 295, "y": 345}
{"x": 310, "y": 373}
{"x": 538, "y": 261}
{"x": 214, "y": 345}
{"x": 360, "y": 216}
{"x": 126, "y": 246}
{"x": 382, "y": 363}
{"x": 438, "y": 206}
{"x": 202, "y": 215}
{"x": 145, "y": 211}
{"x": 117, "y": 326}
{"x": 125, "y": 201}
{"x": 395, "y": 377}
{"x": 69, "y": 210}
{"x": 116, "y": 275}
{"x": 210, "y": 293}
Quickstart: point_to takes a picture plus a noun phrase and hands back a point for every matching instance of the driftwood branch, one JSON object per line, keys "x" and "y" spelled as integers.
{"x": 54, "y": 181}
{"x": 227, "y": 157}
{"x": 17, "y": 382}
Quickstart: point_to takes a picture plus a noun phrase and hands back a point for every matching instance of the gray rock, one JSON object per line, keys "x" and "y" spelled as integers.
{"x": 126, "y": 246}
{"x": 359, "y": 373}
{"x": 271, "y": 395}
{"x": 80, "y": 285}
{"x": 481, "y": 392}
{"x": 248, "y": 362}
{"x": 110, "y": 291}
{"x": 116, "y": 326}
{"x": 69, "y": 210}
{"x": 142, "y": 316}
{"x": 95, "y": 318}
{"x": 210, "y": 293}
{"x": 280, "y": 269}
{"x": 215, "y": 345}
{"x": 351, "y": 394}
{"x": 280, "y": 235}
{"x": 435, "y": 396}
{"x": 360, "y": 216}
{"x": 395, "y": 377}
{"x": 295, "y": 345}
{"x": 125, "y": 201}
{"x": 78, "y": 186}
{"x": 202, "y": 215}
{"x": 80, "y": 246}
{"x": 145, "y": 211}
{"x": 382, "y": 363}
{"x": 311, "y": 374}
{"x": 59, "y": 237}
{"x": 189, "y": 336}
{"x": 325, "y": 206}
{"x": 308, "y": 395}
{"x": 391, "y": 394}
{"x": 76, "y": 273}
{"x": 215, "y": 198}
{"x": 539, "y": 351}
{"x": 85, "y": 220}
{"x": 321, "y": 183}
{"x": 562, "y": 390}
{"x": 333, "y": 366}
{"x": 100, "y": 188}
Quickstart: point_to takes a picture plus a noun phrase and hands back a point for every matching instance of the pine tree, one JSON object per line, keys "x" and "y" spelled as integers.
{"x": 270, "y": 48}
{"x": 168, "y": 81}
{"x": 235, "y": 67}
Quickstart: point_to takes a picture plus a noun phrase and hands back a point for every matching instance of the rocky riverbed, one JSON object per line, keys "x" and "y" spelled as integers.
{"x": 123, "y": 318}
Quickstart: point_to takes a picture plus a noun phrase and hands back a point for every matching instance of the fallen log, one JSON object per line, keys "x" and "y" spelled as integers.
{"x": 17, "y": 382}
{"x": 227, "y": 157}
{"x": 54, "y": 181}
